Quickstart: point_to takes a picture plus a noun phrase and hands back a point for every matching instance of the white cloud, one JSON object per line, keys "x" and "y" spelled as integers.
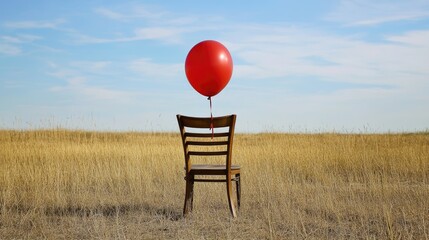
{"x": 386, "y": 82}
{"x": 161, "y": 33}
{"x": 12, "y": 45}
{"x": 135, "y": 12}
{"x": 93, "y": 92}
{"x": 76, "y": 81}
{"x": 367, "y": 12}
{"x": 100, "y": 93}
{"x": 11, "y": 39}
{"x": 22, "y": 38}
{"x": 79, "y": 87}
{"x": 109, "y": 13}
{"x": 158, "y": 25}
{"x": 413, "y": 38}
{"x": 269, "y": 52}
{"x": 78, "y": 76}
{"x": 386, "y": 19}
{"x": 85, "y": 39}
{"x": 156, "y": 70}
{"x": 60, "y": 73}
{"x": 165, "y": 34}
{"x": 34, "y": 24}
{"x": 91, "y": 66}
{"x": 9, "y": 49}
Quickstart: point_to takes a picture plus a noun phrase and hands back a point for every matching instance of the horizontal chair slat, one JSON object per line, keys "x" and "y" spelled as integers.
{"x": 218, "y": 153}
{"x": 195, "y": 122}
{"x": 209, "y": 180}
{"x": 214, "y": 143}
{"x": 215, "y": 180}
{"x": 206, "y": 135}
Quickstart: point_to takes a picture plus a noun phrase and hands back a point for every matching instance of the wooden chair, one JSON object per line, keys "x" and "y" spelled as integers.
{"x": 197, "y": 143}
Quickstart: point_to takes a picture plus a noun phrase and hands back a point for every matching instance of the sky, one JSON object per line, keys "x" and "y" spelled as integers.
{"x": 299, "y": 66}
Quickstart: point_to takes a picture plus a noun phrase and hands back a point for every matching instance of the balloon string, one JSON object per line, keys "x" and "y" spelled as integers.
{"x": 211, "y": 117}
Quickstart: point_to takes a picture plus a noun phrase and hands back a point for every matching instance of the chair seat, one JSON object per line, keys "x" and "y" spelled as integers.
{"x": 207, "y": 169}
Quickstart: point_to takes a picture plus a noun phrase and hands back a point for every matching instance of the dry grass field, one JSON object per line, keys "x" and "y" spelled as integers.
{"x": 60, "y": 184}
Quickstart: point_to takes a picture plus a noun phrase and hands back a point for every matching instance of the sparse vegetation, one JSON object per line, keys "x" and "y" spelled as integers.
{"x": 75, "y": 184}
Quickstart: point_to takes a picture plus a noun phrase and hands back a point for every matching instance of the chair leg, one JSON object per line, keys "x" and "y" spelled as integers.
{"x": 238, "y": 186}
{"x": 189, "y": 195}
{"x": 229, "y": 193}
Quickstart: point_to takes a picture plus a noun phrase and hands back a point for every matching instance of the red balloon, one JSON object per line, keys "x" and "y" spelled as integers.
{"x": 208, "y": 67}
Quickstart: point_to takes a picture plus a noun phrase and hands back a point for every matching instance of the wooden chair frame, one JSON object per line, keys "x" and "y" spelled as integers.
{"x": 231, "y": 172}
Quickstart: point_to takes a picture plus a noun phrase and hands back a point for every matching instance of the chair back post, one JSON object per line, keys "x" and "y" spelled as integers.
{"x": 185, "y": 146}
{"x": 229, "y": 147}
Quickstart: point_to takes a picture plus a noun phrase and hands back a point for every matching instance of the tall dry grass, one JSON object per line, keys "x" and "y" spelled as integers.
{"x": 75, "y": 184}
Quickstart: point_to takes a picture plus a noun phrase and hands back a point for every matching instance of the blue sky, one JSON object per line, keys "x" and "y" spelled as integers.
{"x": 314, "y": 66}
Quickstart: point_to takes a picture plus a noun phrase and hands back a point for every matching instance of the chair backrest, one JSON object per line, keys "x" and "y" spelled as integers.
{"x": 204, "y": 143}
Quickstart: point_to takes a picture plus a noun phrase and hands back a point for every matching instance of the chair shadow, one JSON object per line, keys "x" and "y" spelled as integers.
{"x": 167, "y": 213}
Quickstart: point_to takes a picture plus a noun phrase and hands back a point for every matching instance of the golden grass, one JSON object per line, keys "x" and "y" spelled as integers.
{"x": 74, "y": 184}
